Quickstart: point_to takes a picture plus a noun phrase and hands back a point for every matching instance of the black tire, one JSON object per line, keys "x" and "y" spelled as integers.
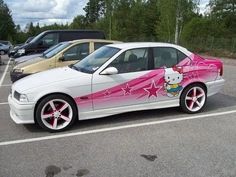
{"x": 42, "y": 105}
{"x": 184, "y": 102}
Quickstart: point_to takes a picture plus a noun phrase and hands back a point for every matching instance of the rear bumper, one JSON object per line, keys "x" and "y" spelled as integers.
{"x": 21, "y": 113}
{"x": 16, "y": 76}
{"x": 214, "y": 87}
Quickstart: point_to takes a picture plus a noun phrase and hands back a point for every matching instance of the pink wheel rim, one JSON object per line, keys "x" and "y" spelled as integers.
{"x": 56, "y": 114}
{"x": 195, "y": 99}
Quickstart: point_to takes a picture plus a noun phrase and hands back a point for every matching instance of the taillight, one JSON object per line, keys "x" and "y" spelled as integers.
{"x": 221, "y": 70}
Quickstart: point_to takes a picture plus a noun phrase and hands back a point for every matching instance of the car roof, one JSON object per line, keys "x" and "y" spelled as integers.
{"x": 94, "y": 40}
{"x": 131, "y": 45}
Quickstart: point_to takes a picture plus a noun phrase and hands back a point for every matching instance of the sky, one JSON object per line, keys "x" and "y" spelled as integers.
{"x": 47, "y": 12}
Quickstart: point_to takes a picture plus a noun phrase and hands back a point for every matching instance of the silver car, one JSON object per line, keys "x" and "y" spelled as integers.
{"x": 3, "y": 49}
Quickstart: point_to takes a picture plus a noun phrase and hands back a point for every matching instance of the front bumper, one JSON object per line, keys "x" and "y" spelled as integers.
{"x": 21, "y": 113}
{"x": 16, "y": 76}
{"x": 214, "y": 87}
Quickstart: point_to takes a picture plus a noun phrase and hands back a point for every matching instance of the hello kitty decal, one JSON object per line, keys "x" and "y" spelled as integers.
{"x": 173, "y": 78}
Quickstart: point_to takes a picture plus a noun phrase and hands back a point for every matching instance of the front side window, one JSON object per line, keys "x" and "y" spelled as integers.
{"x": 77, "y": 52}
{"x": 56, "y": 50}
{"x": 167, "y": 57}
{"x": 50, "y": 39}
{"x": 95, "y": 60}
{"x": 131, "y": 61}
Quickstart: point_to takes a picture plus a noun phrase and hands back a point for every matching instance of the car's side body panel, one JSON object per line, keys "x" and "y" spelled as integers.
{"x": 99, "y": 95}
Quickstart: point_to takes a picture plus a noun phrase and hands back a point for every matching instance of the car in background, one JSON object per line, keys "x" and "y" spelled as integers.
{"x": 46, "y": 39}
{"x": 25, "y": 58}
{"x": 114, "y": 79}
{"x": 14, "y": 49}
{"x": 3, "y": 49}
{"x": 8, "y": 43}
{"x": 65, "y": 54}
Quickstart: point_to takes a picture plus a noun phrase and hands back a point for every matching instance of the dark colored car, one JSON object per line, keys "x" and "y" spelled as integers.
{"x": 47, "y": 39}
{"x": 14, "y": 49}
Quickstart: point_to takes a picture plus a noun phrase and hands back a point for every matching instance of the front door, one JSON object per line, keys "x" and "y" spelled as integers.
{"x": 134, "y": 84}
{"x": 74, "y": 54}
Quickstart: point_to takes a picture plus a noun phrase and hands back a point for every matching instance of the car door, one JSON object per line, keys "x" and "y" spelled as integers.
{"x": 134, "y": 84}
{"x": 46, "y": 42}
{"x": 172, "y": 63}
{"x": 74, "y": 54}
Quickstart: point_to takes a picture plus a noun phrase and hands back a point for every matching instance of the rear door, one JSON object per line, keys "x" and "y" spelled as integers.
{"x": 171, "y": 63}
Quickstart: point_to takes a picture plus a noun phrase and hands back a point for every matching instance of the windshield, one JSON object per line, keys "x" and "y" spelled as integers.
{"x": 37, "y": 37}
{"x": 95, "y": 60}
{"x": 52, "y": 48}
{"x": 56, "y": 50}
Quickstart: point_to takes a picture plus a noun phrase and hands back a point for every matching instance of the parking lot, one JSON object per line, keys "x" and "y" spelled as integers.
{"x": 155, "y": 143}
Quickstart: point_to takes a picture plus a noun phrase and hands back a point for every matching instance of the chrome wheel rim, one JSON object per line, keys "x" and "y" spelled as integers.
{"x": 195, "y": 99}
{"x": 56, "y": 114}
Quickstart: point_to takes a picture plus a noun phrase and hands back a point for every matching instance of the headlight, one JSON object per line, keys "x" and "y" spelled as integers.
{"x": 20, "y": 97}
{"x": 18, "y": 70}
{"x": 23, "y": 98}
{"x": 21, "y": 51}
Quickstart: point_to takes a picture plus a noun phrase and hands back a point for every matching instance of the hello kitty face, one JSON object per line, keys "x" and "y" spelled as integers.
{"x": 173, "y": 77}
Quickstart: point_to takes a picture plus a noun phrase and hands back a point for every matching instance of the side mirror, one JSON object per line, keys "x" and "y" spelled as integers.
{"x": 109, "y": 71}
{"x": 40, "y": 43}
{"x": 61, "y": 58}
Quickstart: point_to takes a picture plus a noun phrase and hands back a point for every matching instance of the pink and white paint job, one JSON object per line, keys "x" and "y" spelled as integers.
{"x": 99, "y": 95}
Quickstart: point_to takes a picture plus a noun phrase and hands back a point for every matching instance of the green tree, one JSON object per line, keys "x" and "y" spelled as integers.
{"x": 173, "y": 16}
{"x": 94, "y": 10}
{"x": 79, "y": 22}
{"x": 224, "y": 12}
{"x": 7, "y": 26}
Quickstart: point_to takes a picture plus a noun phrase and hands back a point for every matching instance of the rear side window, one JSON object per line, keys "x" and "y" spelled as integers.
{"x": 97, "y": 45}
{"x": 167, "y": 57}
{"x": 77, "y": 52}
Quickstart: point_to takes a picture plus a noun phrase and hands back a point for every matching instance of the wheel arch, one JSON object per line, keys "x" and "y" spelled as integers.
{"x": 54, "y": 93}
{"x": 193, "y": 83}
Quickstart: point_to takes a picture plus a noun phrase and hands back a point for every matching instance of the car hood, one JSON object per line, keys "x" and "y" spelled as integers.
{"x": 27, "y": 58}
{"x": 50, "y": 77}
{"x": 29, "y": 62}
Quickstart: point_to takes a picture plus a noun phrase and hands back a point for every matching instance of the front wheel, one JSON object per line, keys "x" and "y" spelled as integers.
{"x": 56, "y": 113}
{"x": 193, "y": 98}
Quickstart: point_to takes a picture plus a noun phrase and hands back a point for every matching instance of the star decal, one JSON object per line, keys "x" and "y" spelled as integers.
{"x": 107, "y": 93}
{"x": 152, "y": 90}
{"x": 127, "y": 90}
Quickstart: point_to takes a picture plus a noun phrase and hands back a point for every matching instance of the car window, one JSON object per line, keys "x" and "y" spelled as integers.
{"x": 77, "y": 52}
{"x": 56, "y": 50}
{"x": 97, "y": 45}
{"x": 131, "y": 61}
{"x": 95, "y": 60}
{"x": 167, "y": 57}
{"x": 50, "y": 39}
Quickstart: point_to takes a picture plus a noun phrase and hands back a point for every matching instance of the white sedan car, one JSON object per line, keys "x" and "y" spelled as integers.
{"x": 114, "y": 79}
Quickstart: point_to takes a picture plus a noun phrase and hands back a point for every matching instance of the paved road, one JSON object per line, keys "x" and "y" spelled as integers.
{"x": 153, "y": 143}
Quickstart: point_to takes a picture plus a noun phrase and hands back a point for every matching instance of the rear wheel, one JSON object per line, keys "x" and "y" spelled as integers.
{"x": 193, "y": 98}
{"x": 56, "y": 113}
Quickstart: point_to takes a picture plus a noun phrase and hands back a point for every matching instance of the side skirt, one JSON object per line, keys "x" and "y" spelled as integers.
{"x": 112, "y": 111}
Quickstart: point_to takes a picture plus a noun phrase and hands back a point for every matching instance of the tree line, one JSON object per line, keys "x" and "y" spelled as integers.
{"x": 175, "y": 21}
